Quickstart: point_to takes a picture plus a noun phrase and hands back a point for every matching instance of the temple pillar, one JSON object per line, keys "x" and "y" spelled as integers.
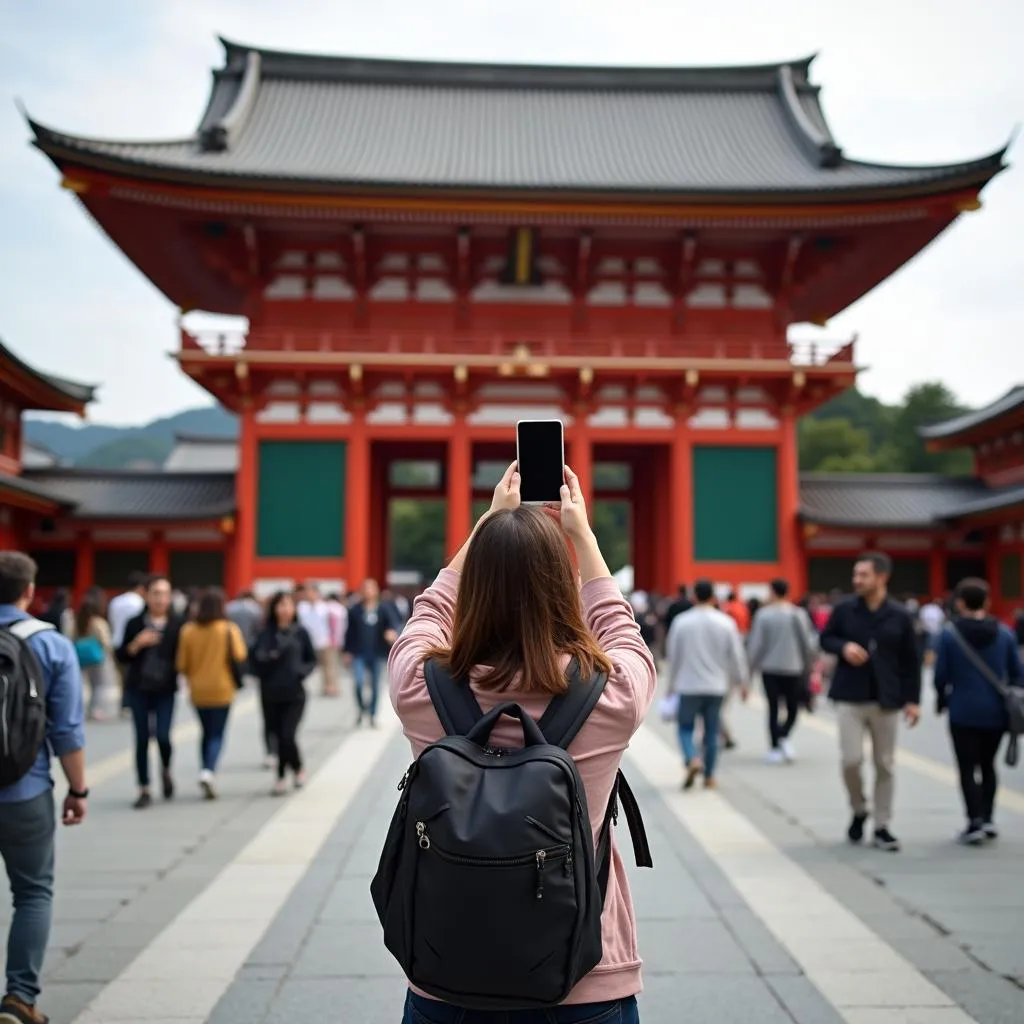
{"x": 357, "y": 501}
{"x": 459, "y": 484}
{"x": 580, "y": 456}
{"x": 246, "y": 502}
{"x": 680, "y": 502}
{"x": 159, "y": 556}
{"x": 788, "y": 469}
{"x": 937, "y": 570}
{"x": 85, "y": 569}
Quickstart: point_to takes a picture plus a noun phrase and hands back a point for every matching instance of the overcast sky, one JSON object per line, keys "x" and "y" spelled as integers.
{"x": 900, "y": 85}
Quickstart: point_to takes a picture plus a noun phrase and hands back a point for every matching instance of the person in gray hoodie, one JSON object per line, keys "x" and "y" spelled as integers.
{"x": 781, "y": 647}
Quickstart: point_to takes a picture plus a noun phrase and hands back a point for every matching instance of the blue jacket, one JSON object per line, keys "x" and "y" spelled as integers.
{"x": 64, "y": 730}
{"x": 970, "y": 699}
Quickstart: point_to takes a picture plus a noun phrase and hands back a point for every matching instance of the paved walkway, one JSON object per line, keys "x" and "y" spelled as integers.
{"x": 257, "y": 910}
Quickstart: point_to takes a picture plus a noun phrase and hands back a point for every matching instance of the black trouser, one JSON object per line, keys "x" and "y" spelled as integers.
{"x": 282, "y": 718}
{"x": 976, "y": 751}
{"x": 777, "y": 688}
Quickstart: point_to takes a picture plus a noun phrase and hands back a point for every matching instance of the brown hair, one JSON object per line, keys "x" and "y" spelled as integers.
{"x": 17, "y": 574}
{"x": 93, "y": 606}
{"x": 518, "y": 608}
{"x": 211, "y": 606}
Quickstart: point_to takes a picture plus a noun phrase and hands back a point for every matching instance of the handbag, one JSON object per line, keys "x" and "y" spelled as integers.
{"x": 1013, "y": 696}
{"x": 234, "y": 667}
{"x": 806, "y": 696}
{"x": 90, "y": 652}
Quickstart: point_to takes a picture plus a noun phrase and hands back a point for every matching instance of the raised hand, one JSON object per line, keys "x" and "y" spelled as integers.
{"x": 506, "y": 494}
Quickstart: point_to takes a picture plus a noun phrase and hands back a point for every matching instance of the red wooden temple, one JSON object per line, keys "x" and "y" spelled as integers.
{"x": 426, "y": 252}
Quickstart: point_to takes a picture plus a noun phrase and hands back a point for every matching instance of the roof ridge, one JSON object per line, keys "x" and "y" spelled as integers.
{"x": 292, "y": 63}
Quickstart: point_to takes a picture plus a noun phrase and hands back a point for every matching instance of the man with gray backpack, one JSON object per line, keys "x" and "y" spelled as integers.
{"x": 40, "y": 712}
{"x": 978, "y": 682}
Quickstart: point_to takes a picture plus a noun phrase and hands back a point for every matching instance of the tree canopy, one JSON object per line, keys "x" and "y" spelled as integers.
{"x": 856, "y": 433}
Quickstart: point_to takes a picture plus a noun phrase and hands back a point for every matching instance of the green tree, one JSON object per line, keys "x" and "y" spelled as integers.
{"x": 925, "y": 404}
{"x": 836, "y": 441}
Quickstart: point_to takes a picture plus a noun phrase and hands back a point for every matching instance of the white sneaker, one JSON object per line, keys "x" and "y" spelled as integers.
{"x": 209, "y": 790}
{"x": 788, "y": 750}
{"x": 774, "y": 756}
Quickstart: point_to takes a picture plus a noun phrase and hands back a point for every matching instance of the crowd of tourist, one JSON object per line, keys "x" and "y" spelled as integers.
{"x": 137, "y": 651}
{"x": 868, "y": 651}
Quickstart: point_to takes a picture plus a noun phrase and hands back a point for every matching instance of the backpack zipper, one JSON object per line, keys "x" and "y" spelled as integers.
{"x": 3, "y": 718}
{"x": 539, "y": 857}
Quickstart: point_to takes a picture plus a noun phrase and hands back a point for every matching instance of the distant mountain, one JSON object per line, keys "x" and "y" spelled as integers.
{"x": 97, "y": 446}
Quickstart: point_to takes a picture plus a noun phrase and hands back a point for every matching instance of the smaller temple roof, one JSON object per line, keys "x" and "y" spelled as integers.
{"x": 30, "y": 489}
{"x": 1010, "y": 402}
{"x": 202, "y": 453}
{"x": 308, "y": 122}
{"x": 897, "y": 501}
{"x": 1004, "y": 497}
{"x": 127, "y": 494}
{"x": 66, "y": 394}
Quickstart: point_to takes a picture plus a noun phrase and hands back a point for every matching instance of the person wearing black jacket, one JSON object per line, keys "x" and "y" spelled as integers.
{"x": 878, "y": 676}
{"x": 373, "y": 627}
{"x": 282, "y": 657}
{"x": 148, "y": 652}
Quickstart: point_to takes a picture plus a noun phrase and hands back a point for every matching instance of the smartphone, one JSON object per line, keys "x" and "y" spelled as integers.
{"x": 540, "y": 451}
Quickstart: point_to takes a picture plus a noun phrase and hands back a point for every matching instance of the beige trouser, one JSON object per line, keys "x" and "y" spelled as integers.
{"x": 854, "y": 721}
{"x": 328, "y": 659}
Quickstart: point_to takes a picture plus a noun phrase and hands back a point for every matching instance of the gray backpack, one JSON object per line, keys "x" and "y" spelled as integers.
{"x": 1013, "y": 696}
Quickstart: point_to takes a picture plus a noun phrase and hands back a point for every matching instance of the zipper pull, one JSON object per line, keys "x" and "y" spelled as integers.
{"x": 404, "y": 780}
{"x": 568, "y": 863}
{"x": 541, "y": 858}
{"x": 423, "y": 838}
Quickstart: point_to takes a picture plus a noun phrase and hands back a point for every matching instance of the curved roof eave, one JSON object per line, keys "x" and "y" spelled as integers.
{"x": 73, "y": 391}
{"x": 1010, "y": 402}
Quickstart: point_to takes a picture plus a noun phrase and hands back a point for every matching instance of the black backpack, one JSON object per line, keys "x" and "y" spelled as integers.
{"x": 489, "y": 888}
{"x": 22, "y": 700}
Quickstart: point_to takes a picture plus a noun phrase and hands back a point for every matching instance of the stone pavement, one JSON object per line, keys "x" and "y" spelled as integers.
{"x": 257, "y": 910}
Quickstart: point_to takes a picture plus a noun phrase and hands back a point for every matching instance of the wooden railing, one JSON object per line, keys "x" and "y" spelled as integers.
{"x": 407, "y": 342}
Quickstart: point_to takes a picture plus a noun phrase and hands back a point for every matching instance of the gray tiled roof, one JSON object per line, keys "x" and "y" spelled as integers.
{"x": 325, "y": 121}
{"x": 98, "y": 494}
{"x": 884, "y": 500}
{"x": 1004, "y": 497}
{"x": 68, "y": 388}
{"x": 1012, "y": 400}
{"x": 34, "y": 490}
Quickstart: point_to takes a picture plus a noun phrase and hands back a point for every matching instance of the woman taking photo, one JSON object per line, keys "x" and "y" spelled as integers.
{"x": 508, "y": 614}
{"x": 210, "y": 656}
{"x": 282, "y": 658}
{"x": 148, "y": 653}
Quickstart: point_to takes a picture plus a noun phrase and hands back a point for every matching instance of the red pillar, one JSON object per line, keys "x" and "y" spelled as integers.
{"x": 937, "y": 571}
{"x": 788, "y": 470}
{"x": 992, "y": 559}
{"x": 459, "y": 486}
{"x": 84, "y": 566}
{"x": 159, "y": 556}
{"x": 357, "y": 501}
{"x": 680, "y": 499}
{"x": 246, "y": 484}
{"x": 380, "y": 554}
{"x": 580, "y": 456}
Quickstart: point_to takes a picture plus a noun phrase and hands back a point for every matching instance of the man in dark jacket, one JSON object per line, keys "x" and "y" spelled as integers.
{"x": 372, "y": 628}
{"x": 877, "y": 677}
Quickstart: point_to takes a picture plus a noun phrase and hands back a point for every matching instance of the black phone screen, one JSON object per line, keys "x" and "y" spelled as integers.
{"x": 541, "y": 459}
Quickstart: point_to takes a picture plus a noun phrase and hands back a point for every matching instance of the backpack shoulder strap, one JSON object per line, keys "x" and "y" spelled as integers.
{"x": 977, "y": 661}
{"x": 453, "y": 701}
{"x": 621, "y": 793}
{"x": 567, "y": 712}
{"x": 29, "y": 627}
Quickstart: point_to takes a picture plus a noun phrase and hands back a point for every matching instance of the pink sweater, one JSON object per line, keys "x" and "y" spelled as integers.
{"x": 597, "y": 750}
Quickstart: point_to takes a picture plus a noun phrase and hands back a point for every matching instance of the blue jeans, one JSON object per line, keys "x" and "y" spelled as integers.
{"x": 214, "y": 722}
{"x": 709, "y": 709}
{"x": 146, "y": 707}
{"x": 26, "y": 845}
{"x": 428, "y": 1011}
{"x": 361, "y": 668}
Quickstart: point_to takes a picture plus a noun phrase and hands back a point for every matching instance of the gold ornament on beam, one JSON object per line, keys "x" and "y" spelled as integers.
{"x": 461, "y": 374}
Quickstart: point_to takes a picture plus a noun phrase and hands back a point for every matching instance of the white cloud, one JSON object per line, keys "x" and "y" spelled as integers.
{"x": 899, "y": 86}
